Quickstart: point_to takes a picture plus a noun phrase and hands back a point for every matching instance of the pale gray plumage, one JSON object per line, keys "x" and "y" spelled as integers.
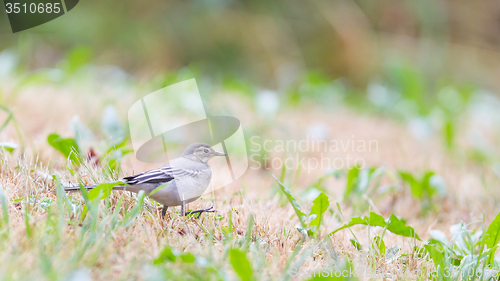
{"x": 185, "y": 179}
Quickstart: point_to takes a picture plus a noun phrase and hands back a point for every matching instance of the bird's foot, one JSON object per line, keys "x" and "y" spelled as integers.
{"x": 164, "y": 211}
{"x": 201, "y": 211}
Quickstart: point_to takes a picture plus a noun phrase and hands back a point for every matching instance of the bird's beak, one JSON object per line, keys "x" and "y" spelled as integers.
{"x": 216, "y": 153}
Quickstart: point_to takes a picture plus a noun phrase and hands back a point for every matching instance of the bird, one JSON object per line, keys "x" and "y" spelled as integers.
{"x": 181, "y": 181}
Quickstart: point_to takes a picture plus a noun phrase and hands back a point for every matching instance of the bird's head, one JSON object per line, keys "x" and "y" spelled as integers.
{"x": 201, "y": 152}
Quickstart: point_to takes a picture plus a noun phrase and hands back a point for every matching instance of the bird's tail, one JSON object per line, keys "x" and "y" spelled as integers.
{"x": 77, "y": 188}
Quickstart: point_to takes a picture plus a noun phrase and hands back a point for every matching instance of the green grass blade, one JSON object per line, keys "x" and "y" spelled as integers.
{"x": 380, "y": 245}
{"x": 248, "y": 234}
{"x": 5, "y": 210}
{"x": 61, "y": 196}
{"x": 295, "y": 205}
{"x": 29, "y": 231}
{"x": 132, "y": 214}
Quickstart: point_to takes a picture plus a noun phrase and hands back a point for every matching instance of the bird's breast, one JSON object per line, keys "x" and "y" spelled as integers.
{"x": 193, "y": 186}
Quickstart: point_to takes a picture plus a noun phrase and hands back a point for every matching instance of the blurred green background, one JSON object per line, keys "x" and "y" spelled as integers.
{"x": 432, "y": 64}
{"x": 273, "y": 43}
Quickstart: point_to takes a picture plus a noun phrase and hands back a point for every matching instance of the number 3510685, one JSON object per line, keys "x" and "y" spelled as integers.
{"x": 33, "y": 8}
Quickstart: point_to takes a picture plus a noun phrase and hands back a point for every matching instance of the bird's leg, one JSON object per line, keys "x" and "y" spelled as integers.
{"x": 164, "y": 211}
{"x": 183, "y": 207}
{"x": 200, "y": 211}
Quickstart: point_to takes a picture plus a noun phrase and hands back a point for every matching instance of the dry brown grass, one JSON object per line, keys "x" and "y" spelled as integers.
{"x": 127, "y": 253}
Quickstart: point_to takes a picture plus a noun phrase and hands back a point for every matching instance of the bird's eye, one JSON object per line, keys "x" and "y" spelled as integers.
{"x": 206, "y": 151}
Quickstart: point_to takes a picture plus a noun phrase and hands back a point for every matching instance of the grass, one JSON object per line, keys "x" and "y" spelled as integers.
{"x": 256, "y": 234}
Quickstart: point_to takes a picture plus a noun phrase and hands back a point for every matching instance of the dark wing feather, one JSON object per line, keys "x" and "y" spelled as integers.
{"x": 161, "y": 175}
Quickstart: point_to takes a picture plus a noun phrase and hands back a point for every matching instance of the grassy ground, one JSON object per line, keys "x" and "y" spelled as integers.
{"x": 253, "y": 234}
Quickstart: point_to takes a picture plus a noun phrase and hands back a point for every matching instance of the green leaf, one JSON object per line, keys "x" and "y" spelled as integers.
{"x": 492, "y": 235}
{"x": 427, "y": 189}
{"x": 436, "y": 250}
{"x": 491, "y": 255}
{"x": 380, "y": 244}
{"x": 240, "y": 264}
{"x": 353, "y": 221}
{"x": 449, "y": 132}
{"x": 356, "y": 244}
{"x": 376, "y": 220}
{"x": 103, "y": 190}
{"x": 427, "y": 186}
{"x": 8, "y": 146}
{"x": 169, "y": 254}
{"x": 67, "y": 146}
{"x": 415, "y": 187}
{"x": 77, "y": 58}
{"x": 166, "y": 254}
{"x": 394, "y": 225}
{"x": 295, "y": 205}
{"x": 436, "y": 256}
{"x": 320, "y": 205}
{"x": 398, "y": 227}
{"x": 187, "y": 257}
{"x": 352, "y": 181}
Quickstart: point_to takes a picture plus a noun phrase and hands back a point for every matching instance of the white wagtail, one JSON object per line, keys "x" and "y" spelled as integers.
{"x": 183, "y": 179}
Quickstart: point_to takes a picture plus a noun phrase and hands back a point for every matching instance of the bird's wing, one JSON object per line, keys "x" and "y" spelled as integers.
{"x": 163, "y": 174}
